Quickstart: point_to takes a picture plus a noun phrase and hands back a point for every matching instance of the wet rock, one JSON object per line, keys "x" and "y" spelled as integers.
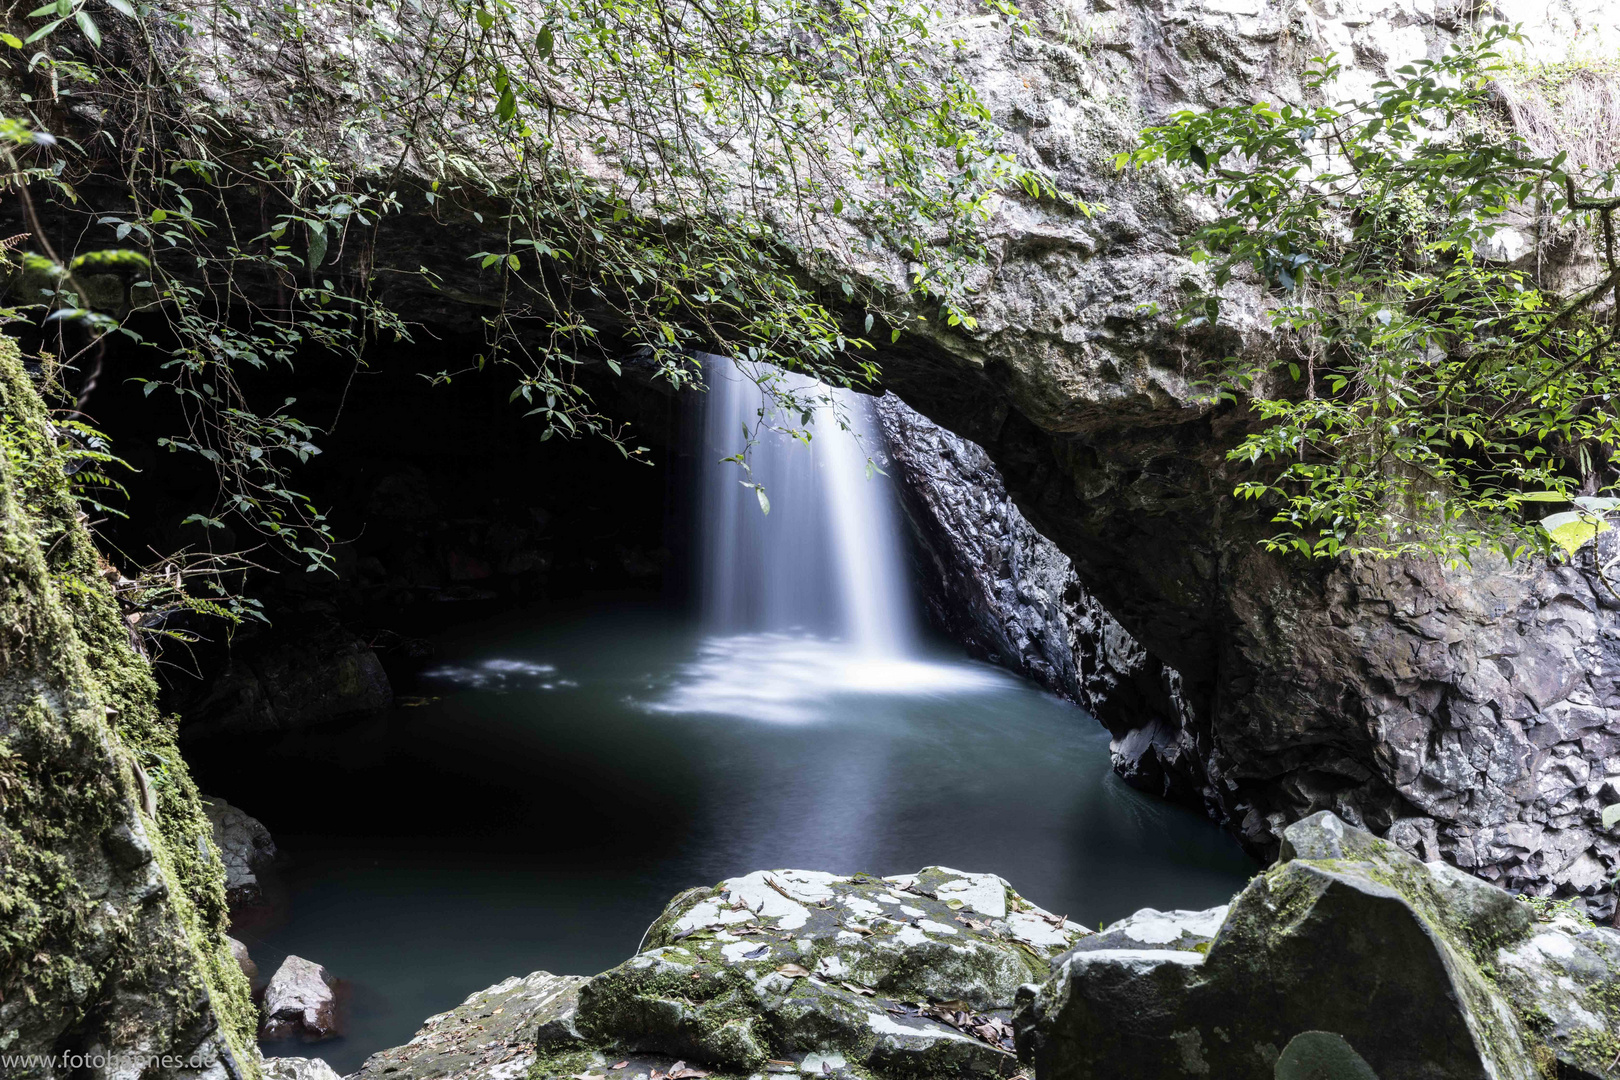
{"x": 904, "y": 975}
{"x": 496, "y": 1034}
{"x": 1012, "y": 596}
{"x": 239, "y": 953}
{"x": 1419, "y": 969}
{"x": 245, "y": 847}
{"x": 300, "y": 1003}
{"x": 297, "y": 1068}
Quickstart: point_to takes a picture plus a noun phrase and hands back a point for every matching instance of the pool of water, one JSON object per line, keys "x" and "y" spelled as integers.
{"x": 571, "y": 771}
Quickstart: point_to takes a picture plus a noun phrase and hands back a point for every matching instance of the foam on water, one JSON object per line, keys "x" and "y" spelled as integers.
{"x": 795, "y": 679}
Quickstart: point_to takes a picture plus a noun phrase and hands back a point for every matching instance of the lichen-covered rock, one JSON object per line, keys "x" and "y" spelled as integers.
{"x": 1423, "y": 971}
{"x": 905, "y": 975}
{"x": 297, "y": 1068}
{"x": 112, "y": 915}
{"x": 246, "y": 848}
{"x": 300, "y": 1002}
{"x": 496, "y": 1034}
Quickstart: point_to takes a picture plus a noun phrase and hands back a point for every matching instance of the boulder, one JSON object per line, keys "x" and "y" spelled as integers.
{"x": 909, "y": 975}
{"x": 300, "y": 1003}
{"x": 245, "y": 847}
{"x": 496, "y": 1034}
{"x": 1416, "y": 970}
{"x": 296, "y": 1068}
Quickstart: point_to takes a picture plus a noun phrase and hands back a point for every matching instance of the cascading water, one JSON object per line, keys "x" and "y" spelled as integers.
{"x": 827, "y": 558}
{"x": 810, "y": 601}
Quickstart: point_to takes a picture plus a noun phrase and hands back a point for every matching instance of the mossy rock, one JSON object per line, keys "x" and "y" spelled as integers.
{"x": 112, "y": 902}
{"x": 1419, "y": 970}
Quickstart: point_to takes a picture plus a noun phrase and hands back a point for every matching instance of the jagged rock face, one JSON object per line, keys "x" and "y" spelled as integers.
{"x": 1012, "y": 596}
{"x": 1420, "y": 971}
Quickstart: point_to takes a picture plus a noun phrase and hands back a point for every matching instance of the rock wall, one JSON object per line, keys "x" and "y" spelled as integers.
{"x": 113, "y": 957}
{"x": 1012, "y": 597}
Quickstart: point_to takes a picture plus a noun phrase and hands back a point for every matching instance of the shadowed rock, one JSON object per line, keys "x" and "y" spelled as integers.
{"x": 1422, "y": 971}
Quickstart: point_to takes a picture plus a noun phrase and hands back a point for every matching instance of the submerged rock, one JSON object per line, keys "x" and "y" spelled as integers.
{"x": 495, "y": 1034}
{"x": 245, "y": 847}
{"x": 1422, "y": 970}
{"x": 300, "y": 1002}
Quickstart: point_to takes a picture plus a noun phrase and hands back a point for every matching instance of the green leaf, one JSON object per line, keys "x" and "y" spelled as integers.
{"x": 514, "y": 262}
{"x": 88, "y": 25}
{"x": 123, "y": 7}
{"x": 1542, "y": 496}
{"x": 317, "y": 246}
{"x": 41, "y": 32}
{"x": 1573, "y": 530}
{"x": 544, "y": 42}
{"x": 764, "y": 503}
{"x": 11, "y": 39}
{"x": 1611, "y": 816}
{"x": 485, "y": 19}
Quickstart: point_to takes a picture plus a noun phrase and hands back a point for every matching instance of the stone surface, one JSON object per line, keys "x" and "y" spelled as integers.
{"x": 496, "y": 1034}
{"x": 245, "y": 847}
{"x": 910, "y": 975}
{"x": 297, "y": 1068}
{"x": 300, "y": 1002}
{"x": 1013, "y": 597}
{"x": 1424, "y": 971}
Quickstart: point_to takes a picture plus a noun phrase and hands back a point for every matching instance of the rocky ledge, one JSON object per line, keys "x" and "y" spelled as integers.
{"x": 1348, "y": 958}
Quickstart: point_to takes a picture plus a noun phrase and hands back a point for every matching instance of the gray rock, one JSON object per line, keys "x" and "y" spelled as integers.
{"x": 1423, "y": 971}
{"x": 496, "y": 1034}
{"x": 300, "y": 1003}
{"x": 239, "y": 953}
{"x": 297, "y": 1068}
{"x": 246, "y": 848}
{"x": 899, "y": 976}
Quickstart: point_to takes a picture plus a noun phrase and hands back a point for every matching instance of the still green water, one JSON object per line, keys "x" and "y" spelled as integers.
{"x": 575, "y": 770}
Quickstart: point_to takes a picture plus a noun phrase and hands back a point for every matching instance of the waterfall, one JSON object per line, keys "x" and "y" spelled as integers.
{"x": 808, "y": 606}
{"x": 827, "y": 559}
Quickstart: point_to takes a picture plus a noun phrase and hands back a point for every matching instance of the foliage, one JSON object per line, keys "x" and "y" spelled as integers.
{"x": 1425, "y": 388}
{"x": 640, "y": 180}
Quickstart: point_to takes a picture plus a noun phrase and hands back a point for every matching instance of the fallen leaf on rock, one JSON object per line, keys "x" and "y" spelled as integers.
{"x": 681, "y": 1072}
{"x": 972, "y": 924}
{"x": 587, "y": 1076}
{"x": 793, "y": 971}
{"x": 755, "y": 954}
{"x": 776, "y": 1061}
{"x": 619, "y": 1065}
{"x": 852, "y": 988}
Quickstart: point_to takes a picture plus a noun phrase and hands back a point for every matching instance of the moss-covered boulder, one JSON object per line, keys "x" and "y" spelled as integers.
{"x": 902, "y": 976}
{"x": 113, "y": 956}
{"x": 1424, "y": 972}
{"x": 496, "y": 1034}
